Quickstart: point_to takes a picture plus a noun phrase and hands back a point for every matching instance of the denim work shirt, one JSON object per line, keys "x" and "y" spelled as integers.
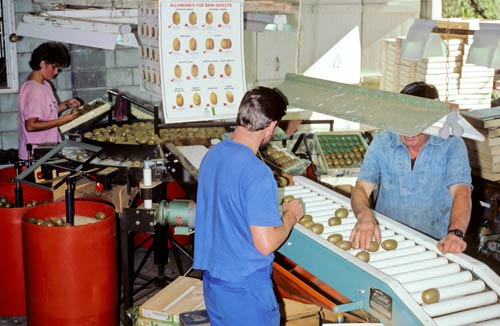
{"x": 418, "y": 197}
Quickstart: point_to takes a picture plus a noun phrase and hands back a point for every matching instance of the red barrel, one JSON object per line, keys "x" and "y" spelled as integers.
{"x": 6, "y": 174}
{"x": 71, "y": 271}
{"x": 12, "y": 300}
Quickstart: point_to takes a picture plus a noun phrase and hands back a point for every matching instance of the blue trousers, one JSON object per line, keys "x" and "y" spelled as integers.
{"x": 248, "y": 302}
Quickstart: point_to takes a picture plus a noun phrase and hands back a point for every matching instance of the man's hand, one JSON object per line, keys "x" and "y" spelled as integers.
{"x": 294, "y": 208}
{"x": 363, "y": 233}
{"x": 451, "y": 244}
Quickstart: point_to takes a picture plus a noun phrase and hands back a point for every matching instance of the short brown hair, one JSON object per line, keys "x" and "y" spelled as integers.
{"x": 259, "y": 107}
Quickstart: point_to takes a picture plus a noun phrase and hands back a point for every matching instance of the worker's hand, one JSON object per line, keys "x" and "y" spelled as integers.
{"x": 364, "y": 231}
{"x": 294, "y": 208}
{"x": 451, "y": 244}
{"x": 68, "y": 117}
{"x": 72, "y": 103}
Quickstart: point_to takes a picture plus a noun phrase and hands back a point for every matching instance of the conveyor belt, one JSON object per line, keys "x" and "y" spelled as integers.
{"x": 390, "y": 285}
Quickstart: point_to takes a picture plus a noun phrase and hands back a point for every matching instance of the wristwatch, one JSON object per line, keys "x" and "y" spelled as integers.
{"x": 459, "y": 233}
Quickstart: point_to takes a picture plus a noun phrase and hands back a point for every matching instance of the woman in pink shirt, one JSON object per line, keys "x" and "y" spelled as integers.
{"x": 38, "y": 107}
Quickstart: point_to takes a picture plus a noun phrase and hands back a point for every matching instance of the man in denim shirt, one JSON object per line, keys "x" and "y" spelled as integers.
{"x": 424, "y": 182}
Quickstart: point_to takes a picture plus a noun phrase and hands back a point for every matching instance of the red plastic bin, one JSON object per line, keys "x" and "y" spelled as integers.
{"x": 71, "y": 271}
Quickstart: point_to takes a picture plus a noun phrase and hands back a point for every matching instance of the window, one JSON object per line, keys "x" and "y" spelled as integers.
{"x": 9, "y": 82}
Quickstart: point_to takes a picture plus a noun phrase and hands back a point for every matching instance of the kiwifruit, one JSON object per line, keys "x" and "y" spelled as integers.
{"x": 334, "y": 221}
{"x": 225, "y": 17}
{"x": 364, "y": 256}
{"x": 389, "y": 244}
{"x": 209, "y": 43}
{"x": 345, "y": 245}
{"x": 307, "y": 224}
{"x": 177, "y": 71}
{"x": 335, "y": 237}
{"x": 373, "y": 246}
{"x": 193, "y": 18}
{"x": 209, "y": 18}
{"x": 196, "y": 99}
{"x": 194, "y": 70}
{"x": 192, "y": 44}
{"x": 211, "y": 70}
{"x": 176, "y": 18}
{"x": 341, "y": 212}
{"x": 213, "y": 98}
{"x": 176, "y": 44}
{"x": 179, "y": 99}
{"x": 430, "y": 296}
{"x": 317, "y": 228}
{"x": 100, "y": 215}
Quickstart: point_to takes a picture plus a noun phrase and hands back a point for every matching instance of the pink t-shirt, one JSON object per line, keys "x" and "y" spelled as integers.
{"x": 36, "y": 101}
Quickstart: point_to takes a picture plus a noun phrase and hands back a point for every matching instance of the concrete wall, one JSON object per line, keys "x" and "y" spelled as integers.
{"x": 268, "y": 55}
{"x": 91, "y": 73}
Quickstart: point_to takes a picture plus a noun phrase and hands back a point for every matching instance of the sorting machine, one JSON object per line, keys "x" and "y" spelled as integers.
{"x": 390, "y": 285}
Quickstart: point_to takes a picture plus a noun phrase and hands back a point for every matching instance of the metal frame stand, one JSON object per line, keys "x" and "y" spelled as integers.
{"x": 134, "y": 220}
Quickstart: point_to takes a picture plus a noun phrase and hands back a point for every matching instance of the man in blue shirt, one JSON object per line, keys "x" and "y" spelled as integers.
{"x": 424, "y": 182}
{"x": 238, "y": 221}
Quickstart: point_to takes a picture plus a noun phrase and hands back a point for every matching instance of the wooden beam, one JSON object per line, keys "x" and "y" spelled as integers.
{"x": 272, "y": 7}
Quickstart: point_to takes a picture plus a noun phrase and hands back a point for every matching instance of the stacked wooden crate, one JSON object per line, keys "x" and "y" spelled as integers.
{"x": 484, "y": 157}
{"x": 468, "y": 85}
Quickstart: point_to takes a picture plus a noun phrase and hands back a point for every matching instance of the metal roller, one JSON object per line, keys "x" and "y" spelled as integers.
{"x": 427, "y": 273}
{"x": 390, "y": 285}
{"x": 457, "y": 290}
{"x": 469, "y": 316}
{"x": 415, "y": 266}
{"x": 404, "y": 260}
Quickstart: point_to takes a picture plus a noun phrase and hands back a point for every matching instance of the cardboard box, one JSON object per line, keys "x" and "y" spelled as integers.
{"x": 143, "y": 321}
{"x": 295, "y": 313}
{"x": 182, "y": 295}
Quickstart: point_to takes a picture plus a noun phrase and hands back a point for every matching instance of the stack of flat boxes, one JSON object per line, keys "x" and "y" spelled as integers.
{"x": 484, "y": 157}
{"x": 390, "y": 63}
{"x": 468, "y": 85}
{"x": 148, "y": 31}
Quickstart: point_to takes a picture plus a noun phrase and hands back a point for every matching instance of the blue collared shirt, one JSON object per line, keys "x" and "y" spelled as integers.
{"x": 418, "y": 197}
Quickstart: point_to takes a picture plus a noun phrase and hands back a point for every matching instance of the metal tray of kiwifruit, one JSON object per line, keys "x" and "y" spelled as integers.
{"x": 341, "y": 152}
{"x": 284, "y": 161}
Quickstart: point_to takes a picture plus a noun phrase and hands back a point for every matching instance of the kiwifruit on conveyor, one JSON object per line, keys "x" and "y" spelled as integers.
{"x": 390, "y": 285}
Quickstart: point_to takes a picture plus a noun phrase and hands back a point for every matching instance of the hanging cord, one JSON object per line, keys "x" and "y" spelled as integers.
{"x": 299, "y": 32}
{"x": 447, "y": 77}
{"x": 35, "y": 7}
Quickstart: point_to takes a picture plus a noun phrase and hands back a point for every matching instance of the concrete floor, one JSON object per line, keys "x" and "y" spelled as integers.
{"x": 150, "y": 270}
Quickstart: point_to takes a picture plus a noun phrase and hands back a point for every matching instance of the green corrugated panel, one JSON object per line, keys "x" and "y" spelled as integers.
{"x": 403, "y": 114}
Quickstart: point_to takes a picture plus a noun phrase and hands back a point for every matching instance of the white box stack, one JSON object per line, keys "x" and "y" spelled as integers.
{"x": 468, "y": 85}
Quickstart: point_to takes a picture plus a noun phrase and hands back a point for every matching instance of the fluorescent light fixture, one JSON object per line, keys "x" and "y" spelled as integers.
{"x": 81, "y": 31}
{"x": 403, "y": 114}
{"x": 454, "y": 124}
{"x": 485, "y": 48}
{"x": 269, "y": 22}
{"x": 421, "y": 42}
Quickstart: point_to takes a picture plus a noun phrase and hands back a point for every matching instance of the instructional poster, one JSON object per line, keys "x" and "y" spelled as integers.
{"x": 201, "y": 59}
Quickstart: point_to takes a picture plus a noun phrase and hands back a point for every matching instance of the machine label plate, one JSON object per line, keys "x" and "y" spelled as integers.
{"x": 381, "y": 302}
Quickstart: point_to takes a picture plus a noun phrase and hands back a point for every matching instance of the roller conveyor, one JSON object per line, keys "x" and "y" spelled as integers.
{"x": 390, "y": 285}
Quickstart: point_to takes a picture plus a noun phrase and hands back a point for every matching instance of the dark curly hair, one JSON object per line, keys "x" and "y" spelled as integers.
{"x": 50, "y": 52}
